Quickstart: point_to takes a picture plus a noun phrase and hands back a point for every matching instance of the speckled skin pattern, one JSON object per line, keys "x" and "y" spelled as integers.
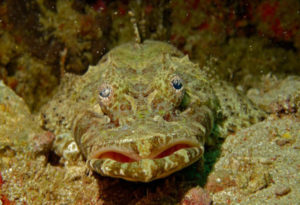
{"x": 144, "y": 112}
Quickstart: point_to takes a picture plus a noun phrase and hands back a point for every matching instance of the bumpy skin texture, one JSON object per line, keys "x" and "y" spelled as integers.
{"x": 144, "y": 112}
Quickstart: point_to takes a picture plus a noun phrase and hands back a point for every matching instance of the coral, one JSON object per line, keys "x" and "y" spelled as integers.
{"x": 278, "y": 20}
{"x": 244, "y": 60}
{"x": 198, "y": 28}
{"x": 41, "y": 41}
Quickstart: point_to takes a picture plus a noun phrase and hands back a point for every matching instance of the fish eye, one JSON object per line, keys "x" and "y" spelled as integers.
{"x": 177, "y": 83}
{"x": 105, "y": 91}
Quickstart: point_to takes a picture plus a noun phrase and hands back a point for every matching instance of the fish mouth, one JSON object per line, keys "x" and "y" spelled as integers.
{"x": 123, "y": 156}
{"x": 161, "y": 162}
{"x": 159, "y": 166}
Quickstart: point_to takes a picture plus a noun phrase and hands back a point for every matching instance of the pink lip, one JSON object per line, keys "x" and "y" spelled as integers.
{"x": 123, "y": 157}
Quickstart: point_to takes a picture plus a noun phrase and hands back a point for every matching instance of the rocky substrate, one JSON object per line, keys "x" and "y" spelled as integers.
{"x": 259, "y": 165}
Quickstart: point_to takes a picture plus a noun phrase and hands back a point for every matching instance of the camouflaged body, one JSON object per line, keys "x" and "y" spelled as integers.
{"x": 144, "y": 112}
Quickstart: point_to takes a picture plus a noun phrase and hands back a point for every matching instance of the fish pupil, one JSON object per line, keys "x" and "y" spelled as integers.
{"x": 177, "y": 84}
{"x": 105, "y": 93}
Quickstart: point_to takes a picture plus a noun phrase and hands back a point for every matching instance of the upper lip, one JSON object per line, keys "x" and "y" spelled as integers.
{"x": 122, "y": 155}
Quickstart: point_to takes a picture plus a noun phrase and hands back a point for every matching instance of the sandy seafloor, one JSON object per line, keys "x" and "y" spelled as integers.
{"x": 256, "y": 165}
